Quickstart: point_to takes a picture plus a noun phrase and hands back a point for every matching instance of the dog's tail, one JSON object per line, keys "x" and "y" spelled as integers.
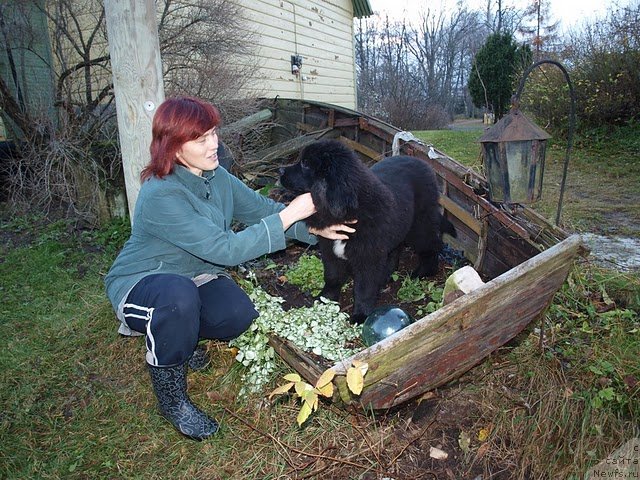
{"x": 447, "y": 227}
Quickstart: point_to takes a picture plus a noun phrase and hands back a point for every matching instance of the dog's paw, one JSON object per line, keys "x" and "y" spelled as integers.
{"x": 330, "y": 293}
{"x": 358, "y": 318}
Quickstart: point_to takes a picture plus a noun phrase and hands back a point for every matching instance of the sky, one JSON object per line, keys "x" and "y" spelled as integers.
{"x": 568, "y": 12}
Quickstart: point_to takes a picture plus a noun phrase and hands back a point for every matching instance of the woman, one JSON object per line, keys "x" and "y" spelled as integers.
{"x": 169, "y": 280}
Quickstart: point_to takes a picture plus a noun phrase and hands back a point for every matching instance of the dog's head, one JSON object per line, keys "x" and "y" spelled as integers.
{"x": 326, "y": 169}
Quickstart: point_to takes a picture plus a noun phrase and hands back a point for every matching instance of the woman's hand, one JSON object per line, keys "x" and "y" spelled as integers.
{"x": 335, "y": 232}
{"x": 300, "y": 208}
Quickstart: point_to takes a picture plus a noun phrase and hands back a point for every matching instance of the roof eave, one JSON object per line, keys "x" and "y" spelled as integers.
{"x": 361, "y": 8}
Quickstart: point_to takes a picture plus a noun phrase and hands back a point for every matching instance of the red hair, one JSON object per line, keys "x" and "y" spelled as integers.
{"x": 177, "y": 120}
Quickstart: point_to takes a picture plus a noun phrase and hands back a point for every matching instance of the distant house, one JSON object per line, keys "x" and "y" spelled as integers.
{"x": 305, "y": 50}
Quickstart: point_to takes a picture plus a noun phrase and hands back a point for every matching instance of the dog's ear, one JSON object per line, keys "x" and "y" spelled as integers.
{"x": 331, "y": 162}
{"x": 335, "y": 196}
{"x": 320, "y": 157}
{"x": 317, "y": 161}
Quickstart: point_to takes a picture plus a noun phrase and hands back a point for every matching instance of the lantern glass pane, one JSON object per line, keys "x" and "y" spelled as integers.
{"x": 519, "y": 155}
{"x": 496, "y": 174}
{"x": 537, "y": 167}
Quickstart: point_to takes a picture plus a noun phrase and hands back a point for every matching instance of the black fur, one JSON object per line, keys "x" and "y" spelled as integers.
{"x": 395, "y": 204}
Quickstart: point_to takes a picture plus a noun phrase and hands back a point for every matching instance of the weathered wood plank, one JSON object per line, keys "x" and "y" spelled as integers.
{"x": 358, "y": 147}
{"x": 306, "y": 127}
{"x": 303, "y": 363}
{"x": 460, "y": 213}
{"x": 246, "y": 123}
{"x": 447, "y": 343}
{"x": 377, "y": 128}
{"x": 346, "y": 122}
{"x": 137, "y": 82}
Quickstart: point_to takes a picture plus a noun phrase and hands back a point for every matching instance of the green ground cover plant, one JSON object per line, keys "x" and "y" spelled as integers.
{"x": 307, "y": 274}
{"x": 76, "y": 402}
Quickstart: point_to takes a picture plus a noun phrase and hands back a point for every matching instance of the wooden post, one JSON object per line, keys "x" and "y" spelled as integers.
{"x": 137, "y": 81}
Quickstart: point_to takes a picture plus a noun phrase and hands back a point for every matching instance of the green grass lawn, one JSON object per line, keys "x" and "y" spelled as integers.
{"x": 602, "y": 192}
{"x": 76, "y": 401}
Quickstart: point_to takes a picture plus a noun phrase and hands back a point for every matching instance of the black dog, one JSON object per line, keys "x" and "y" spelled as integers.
{"x": 395, "y": 204}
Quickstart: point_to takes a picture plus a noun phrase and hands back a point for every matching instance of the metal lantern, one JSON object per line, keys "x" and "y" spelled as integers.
{"x": 514, "y": 152}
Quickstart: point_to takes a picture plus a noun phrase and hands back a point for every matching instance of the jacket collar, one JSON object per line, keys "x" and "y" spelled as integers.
{"x": 200, "y": 185}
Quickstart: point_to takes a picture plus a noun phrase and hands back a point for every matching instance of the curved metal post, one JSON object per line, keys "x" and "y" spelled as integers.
{"x": 572, "y": 121}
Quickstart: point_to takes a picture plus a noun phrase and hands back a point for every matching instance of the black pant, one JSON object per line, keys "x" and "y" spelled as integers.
{"x": 174, "y": 314}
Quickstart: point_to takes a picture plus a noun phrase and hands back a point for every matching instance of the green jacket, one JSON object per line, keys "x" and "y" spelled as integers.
{"x": 181, "y": 224}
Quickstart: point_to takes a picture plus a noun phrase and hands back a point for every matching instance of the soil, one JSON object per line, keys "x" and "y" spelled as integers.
{"x": 274, "y": 282}
{"x": 434, "y": 421}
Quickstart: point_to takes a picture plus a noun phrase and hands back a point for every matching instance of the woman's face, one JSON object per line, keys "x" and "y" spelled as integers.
{"x": 201, "y": 153}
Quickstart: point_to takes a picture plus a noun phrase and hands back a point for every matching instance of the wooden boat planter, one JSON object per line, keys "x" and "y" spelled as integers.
{"x": 523, "y": 259}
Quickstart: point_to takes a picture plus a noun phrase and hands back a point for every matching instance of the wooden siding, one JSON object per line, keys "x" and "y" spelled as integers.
{"x": 321, "y": 32}
{"x": 28, "y": 44}
{"x": 82, "y": 27}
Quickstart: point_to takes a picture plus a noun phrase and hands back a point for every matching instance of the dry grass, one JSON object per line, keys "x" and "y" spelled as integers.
{"x": 540, "y": 400}
{"x": 539, "y": 429}
{"x": 76, "y": 400}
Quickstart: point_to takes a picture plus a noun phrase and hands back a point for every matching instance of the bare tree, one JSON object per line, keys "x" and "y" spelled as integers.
{"x": 415, "y": 76}
{"x": 497, "y": 17}
{"x": 366, "y": 58}
{"x": 537, "y": 28}
{"x": 81, "y": 63}
{"x": 396, "y": 90}
{"x": 201, "y": 41}
{"x": 387, "y": 88}
{"x": 440, "y": 45}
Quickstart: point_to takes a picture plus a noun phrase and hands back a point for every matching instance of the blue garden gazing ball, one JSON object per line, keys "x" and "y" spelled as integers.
{"x": 382, "y": 322}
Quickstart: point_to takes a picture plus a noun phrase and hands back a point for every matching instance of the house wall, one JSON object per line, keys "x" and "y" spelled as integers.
{"x": 320, "y": 31}
{"x": 41, "y": 52}
{"x": 25, "y": 59}
{"x": 78, "y": 32}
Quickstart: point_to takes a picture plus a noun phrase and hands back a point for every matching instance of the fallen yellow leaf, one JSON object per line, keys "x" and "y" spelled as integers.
{"x": 325, "y": 378}
{"x": 303, "y": 414}
{"x": 281, "y": 389}
{"x": 483, "y": 434}
{"x": 311, "y": 398}
{"x": 355, "y": 380}
{"x": 302, "y": 387}
{"x": 363, "y": 366}
{"x": 292, "y": 377}
{"x": 326, "y": 390}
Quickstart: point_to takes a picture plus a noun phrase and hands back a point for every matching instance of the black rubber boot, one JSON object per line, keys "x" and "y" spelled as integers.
{"x": 200, "y": 359}
{"x": 170, "y": 387}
